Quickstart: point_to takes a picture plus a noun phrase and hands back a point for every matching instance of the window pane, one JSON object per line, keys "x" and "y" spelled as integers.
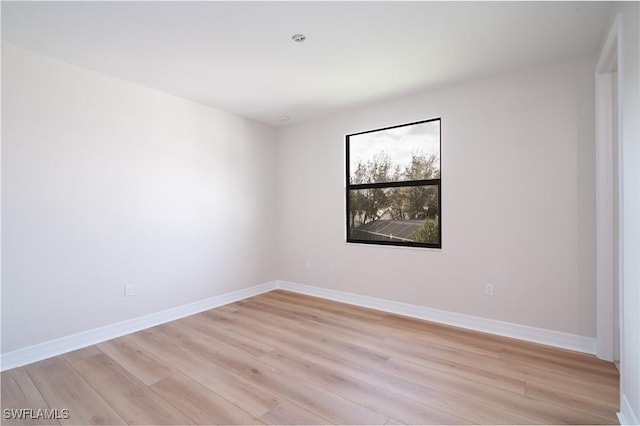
{"x": 402, "y": 214}
{"x": 410, "y": 152}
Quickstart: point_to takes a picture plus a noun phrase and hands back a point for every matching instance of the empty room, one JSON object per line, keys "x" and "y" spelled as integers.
{"x": 320, "y": 212}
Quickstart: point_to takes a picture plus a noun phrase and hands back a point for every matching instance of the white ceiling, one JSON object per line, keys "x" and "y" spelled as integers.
{"x": 239, "y": 56}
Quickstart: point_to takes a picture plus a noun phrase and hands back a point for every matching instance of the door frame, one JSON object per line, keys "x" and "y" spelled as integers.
{"x": 608, "y": 310}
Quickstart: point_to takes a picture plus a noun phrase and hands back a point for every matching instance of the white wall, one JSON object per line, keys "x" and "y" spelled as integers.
{"x": 630, "y": 146}
{"x": 517, "y": 201}
{"x": 106, "y": 183}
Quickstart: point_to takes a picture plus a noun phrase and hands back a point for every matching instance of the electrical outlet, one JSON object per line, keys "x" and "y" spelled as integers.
{"x": 128, "y": 290}
{"x": 307, "y": 265}
{"x": 488, "y": 290}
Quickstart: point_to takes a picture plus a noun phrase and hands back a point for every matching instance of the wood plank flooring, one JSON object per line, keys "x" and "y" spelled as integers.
{"x": 285, "y": 358}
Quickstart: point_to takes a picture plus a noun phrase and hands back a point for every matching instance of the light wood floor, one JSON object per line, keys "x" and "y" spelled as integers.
{"x": 284, "y": 358}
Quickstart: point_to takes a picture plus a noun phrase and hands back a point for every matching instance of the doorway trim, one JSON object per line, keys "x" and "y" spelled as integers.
{"x": 607, "y": 242}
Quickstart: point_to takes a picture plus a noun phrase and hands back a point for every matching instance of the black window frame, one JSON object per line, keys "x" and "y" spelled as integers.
{"x": 437, "y": 182}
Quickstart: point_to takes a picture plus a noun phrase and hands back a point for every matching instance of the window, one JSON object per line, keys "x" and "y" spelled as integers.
{"x": 393, "y": 186}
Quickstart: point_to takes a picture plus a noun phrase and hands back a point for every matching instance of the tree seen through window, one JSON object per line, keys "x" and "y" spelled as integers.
{"x": 393, "y": 185}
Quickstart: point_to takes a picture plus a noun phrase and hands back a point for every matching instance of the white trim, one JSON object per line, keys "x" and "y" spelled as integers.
{"x": 70, "y": 343}
{"x": 501, "y": 328}
{"x": 604, "y": 217}
{"x": 626, "y": 415}
{"x": 531, "y": 334}
{"x": 605, "y": 239}
{"x": 83, "y": 339}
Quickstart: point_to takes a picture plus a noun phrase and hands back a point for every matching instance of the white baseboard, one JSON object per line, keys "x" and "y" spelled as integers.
{"x": 70, "y": 343}
{"x": 531, "y": 334}
{"x": 626, "y": 415}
